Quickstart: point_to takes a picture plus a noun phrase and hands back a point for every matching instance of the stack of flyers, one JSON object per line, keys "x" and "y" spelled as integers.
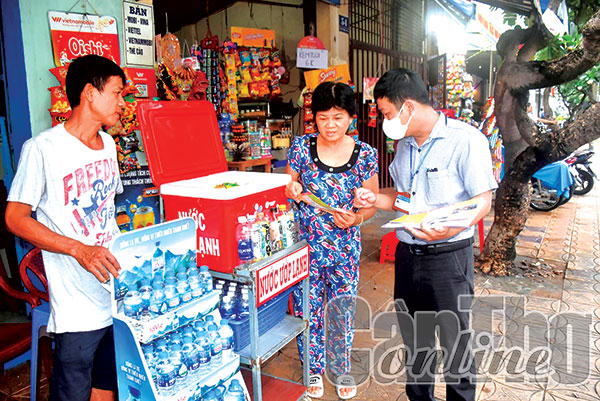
{"x": 312, "y": 200}
{"x": 457, "y": 215}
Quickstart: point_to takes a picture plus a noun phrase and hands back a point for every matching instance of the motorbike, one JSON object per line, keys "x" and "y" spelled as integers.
{"x": 551, "y": 186}
{"x": 580, "y": 166}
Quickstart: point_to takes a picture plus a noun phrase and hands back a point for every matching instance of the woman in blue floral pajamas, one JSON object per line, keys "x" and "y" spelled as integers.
{"x": 331, "y": 165}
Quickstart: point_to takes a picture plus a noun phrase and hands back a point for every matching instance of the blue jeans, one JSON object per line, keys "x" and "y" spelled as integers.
{"x": 83, "y": 360}
{"x": 434, "y": 283}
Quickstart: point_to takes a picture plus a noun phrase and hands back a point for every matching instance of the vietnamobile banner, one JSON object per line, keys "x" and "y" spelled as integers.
{"x": 281, "y": 274}
{"x": 338, "y": 73}
{"x": 74, "y": 35}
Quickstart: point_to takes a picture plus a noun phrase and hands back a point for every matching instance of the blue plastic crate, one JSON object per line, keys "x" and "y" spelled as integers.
{"x": 269, "y": 314}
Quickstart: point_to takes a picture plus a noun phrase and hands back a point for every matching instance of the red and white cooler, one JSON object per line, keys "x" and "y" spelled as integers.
{"x": 186, "y": 159}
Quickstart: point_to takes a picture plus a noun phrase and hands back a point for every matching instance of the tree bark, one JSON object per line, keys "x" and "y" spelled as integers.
{"x": 526, "y": 148}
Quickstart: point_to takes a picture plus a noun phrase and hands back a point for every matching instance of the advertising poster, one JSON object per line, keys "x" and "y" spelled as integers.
{"x": 337, "y": 73}
{"x": 138, "y": 206}
{"x": 144, "y": 80}
{"x": 75, "y": 35}
{"x": 250, "y": 37}
{"x": 138, "y": 26}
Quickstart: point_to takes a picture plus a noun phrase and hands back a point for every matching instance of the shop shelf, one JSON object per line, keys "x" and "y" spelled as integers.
{"x": 146, "y": 331}
{"x": 274, "y": 340}
{"x": 274, "y": 388}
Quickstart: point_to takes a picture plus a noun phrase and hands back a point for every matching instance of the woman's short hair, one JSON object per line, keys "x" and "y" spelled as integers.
{"x": 329, "y": 94}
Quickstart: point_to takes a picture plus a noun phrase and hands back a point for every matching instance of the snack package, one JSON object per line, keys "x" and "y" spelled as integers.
{"x": 58, "y": 100}
{"x": 245, "y": 75}
{"x": 275, "y": 59}
{"x": 245, "y": 58}
{"x": 60, "y": 73}
{"x": 263, "y": 88}
{"x": 243, "y": 90}
{"x": 254, "y": 89}
{"x": 372, "y": 115}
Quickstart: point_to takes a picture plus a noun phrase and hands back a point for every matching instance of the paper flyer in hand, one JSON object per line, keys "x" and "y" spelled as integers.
{"x": 312, "y": 200}
{"x": 457, "y": 215}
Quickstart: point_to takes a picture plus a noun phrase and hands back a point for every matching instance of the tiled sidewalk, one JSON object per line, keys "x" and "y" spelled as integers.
{"x": 562, "y": 247}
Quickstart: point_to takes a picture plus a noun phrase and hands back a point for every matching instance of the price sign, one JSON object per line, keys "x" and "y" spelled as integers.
{"x": 311, "y": 58}
{"x": 139, "y": 34}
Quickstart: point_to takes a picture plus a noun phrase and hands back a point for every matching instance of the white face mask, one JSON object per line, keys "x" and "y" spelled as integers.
{"x": 394, "y": 129}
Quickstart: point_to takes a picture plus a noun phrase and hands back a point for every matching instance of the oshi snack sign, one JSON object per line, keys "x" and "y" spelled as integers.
{"x": 75, "y": 35}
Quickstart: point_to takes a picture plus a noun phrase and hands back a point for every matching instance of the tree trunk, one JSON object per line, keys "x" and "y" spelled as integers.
{"x": 526, "y": 148}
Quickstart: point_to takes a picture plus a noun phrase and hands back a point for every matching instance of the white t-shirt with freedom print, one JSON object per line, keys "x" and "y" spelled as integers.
{"x": 72, "y": 189}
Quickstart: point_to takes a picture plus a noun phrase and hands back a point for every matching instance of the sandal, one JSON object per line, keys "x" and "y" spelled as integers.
{"x": 315, "y": 382}
{"x": 345, "y": 382}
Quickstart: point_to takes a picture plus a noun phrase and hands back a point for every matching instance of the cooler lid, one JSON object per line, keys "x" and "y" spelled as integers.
{"x": 182, "y": 140}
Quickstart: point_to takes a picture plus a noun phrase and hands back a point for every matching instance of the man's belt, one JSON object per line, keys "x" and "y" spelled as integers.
{"x": 434, "y": 249}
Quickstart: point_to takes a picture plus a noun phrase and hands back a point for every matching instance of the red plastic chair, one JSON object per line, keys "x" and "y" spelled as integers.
{"x": 15, "y": 338}
{"x": 41, "y": 342}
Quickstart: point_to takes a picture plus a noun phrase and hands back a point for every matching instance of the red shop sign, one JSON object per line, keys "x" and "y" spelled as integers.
{"x": 75, "y": 35}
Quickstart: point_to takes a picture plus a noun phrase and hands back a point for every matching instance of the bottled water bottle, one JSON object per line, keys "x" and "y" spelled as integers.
{"x": 216, "y": 348}
{"x": 235, "y": 392}
{"x": 185, "y": 293}
{"x": 175, "y": 338}
{"x": 204, "y": 350}
{"x": 244, "y": 240}
{"x": 226, "y": 333}
{"x": 198, "y": 326}
{"x": 166, "y": 375}
{"x": 190, "y": 356}
{"x": 172, "y": 296}
{"x": 188, "y": 331}
{"x": 145, "y": 293}
{"x": 158, "y": 261}
{"x": 244, "y": 307}
{"x": 161, "y": 344}
{"x": 226, "y": 308}
{"x": 195, "y": 286}
{"x": 132, "y": 304}
{"x": 150, "y": 357}
{"x": 212, "y": 395}
{"x": 176, "y": 357}
{"x": 170, "y": 281}
{"x": 181, "y": 277}
{"x": 206, "y": 279}
{"x": 209, "y": 319}
{"x": 158, "y": 300}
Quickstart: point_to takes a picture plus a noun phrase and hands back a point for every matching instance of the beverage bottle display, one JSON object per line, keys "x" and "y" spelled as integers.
{"x": 244, "y": 240}
{"x": 275, "y": 231}
{"x": 206, "y": 279}
{"x": 166, "y": 375}
{"x": 235, "y": 392}
{"x": 158, "y": 261}
{"x": 176, "y": 357}
{"x": 216, "y": 350}
{"x": 191, "y": 356}
{"x": 134, "y": 394}
{"x": 226, "y": 333}
{"x": 204, "y": 351}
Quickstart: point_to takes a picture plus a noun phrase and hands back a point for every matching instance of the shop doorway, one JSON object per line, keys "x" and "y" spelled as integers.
{"x": 383, "y": 34}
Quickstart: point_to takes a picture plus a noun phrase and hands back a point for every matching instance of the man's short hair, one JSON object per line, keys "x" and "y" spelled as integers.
{"x": 89, "y": 69}
{"x": 399, "y": 84}
{"x": 329, "y": 94}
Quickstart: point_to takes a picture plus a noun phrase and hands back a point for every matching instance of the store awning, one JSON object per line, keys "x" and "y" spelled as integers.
{"x": 516, "y": 6}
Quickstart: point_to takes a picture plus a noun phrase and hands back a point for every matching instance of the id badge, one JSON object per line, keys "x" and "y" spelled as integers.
{"x": 402, "y": 202}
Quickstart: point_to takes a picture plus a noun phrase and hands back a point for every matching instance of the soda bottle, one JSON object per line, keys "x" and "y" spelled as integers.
{"x": 226, "y": 333}
{"x": 258, "y": 240}
{"x": 265, "y": 231}
{"x": 166, "y": 375}
{"x": 244, "y": 240}
{"x": 275, "y": 231}
{"x": 158, "y": 261}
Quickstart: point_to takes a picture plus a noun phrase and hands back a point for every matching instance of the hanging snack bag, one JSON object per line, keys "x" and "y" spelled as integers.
{"x": 372, "y": 115}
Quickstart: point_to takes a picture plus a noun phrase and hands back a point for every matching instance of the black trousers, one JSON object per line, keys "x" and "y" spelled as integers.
{"x": 434, "y": 283}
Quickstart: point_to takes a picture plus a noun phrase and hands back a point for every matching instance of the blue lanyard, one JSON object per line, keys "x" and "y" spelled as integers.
{"x": 413, "y": 173}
